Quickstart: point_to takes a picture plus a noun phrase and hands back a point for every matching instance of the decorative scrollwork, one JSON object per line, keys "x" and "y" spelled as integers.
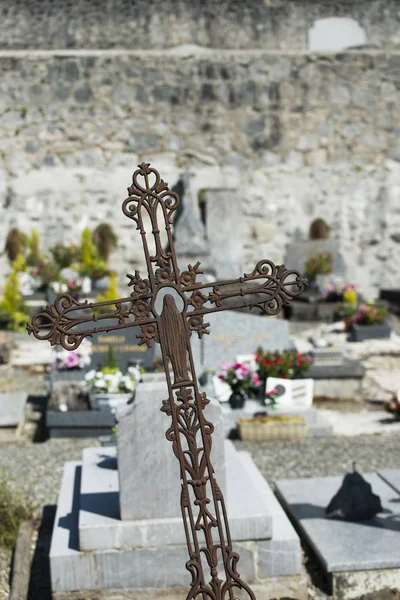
{"x": 149, "y": 333}
{"x": 189, "y": 277}
{"x": 277, "y": 288}
{"x": 196, "y": 324}
{"x": 140, "y": 286}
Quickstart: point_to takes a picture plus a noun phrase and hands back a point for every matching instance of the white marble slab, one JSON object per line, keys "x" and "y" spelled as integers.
{"x": 341, "y": 545}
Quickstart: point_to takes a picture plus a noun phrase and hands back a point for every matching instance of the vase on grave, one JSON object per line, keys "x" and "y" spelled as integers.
{"x": 237, "y": 399}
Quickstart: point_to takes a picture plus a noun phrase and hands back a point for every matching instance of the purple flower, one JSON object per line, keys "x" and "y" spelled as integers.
{"x": 72, "y": 360}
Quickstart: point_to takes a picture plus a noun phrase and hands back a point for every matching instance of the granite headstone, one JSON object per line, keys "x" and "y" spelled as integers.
{"x": 298, "y": 253}
{"x": 233, "y": 333}
{"x": 225, "y": 235}
{"x": 147, "y": 467}
{"x": 126, "y": 346}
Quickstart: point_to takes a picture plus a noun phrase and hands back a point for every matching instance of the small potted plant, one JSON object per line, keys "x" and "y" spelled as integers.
{"x": 108, "y": 386}
{"x": 318, "y": 264}
{"x": 345, "y": 312}
{"x": 369, "y": 322}
{"x": 241, "y": 380}
{"x": 288, "y": 364}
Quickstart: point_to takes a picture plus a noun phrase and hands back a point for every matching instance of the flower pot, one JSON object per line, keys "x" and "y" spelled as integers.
{"x": 237, "y": 400}
{"x": 358, "y": 333}
{"x": 348, "y": 323}
{"x": 271, "y": 429}
{"x": 110, "y": 402}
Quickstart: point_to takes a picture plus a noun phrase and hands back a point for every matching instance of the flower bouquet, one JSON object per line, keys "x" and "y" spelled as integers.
{"x": 318, "y": 264}
{"x": 278, "y": 367}
{"x": 288, "y": 364}
{"x": 109, "y": 387}
{"x": 240, "y": 379}
{"x": 75, "y": 359}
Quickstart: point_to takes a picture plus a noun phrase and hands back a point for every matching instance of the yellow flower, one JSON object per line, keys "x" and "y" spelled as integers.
{"x": 350, "y": 296}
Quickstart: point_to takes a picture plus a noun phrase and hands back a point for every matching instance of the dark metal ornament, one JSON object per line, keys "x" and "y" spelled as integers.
{"x": 212, "y": 561}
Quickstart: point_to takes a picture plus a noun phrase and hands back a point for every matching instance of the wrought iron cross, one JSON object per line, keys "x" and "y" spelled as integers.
{"x": 212, "y": 560}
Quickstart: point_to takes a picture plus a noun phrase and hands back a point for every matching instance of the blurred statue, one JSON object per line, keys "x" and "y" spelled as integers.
{"x": 319, "y": 230}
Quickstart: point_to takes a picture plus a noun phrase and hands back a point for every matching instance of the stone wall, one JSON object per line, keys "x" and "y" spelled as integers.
{"x": 144, "y": 24}
{"x": 299, "y": 135}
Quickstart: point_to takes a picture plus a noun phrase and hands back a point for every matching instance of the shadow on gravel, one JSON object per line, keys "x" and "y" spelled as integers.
{"x": 40, "y": 582}
{"x": 39, "y": 407}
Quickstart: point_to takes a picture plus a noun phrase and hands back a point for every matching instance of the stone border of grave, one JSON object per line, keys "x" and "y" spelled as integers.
{"x": 21, "y": 569}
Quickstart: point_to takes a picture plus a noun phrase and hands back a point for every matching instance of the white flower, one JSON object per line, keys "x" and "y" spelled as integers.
{"x": 134, "y": 372}
{"x": 90, "y": 375}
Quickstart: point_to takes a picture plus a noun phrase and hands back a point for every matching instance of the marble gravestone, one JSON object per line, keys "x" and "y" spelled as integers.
{"x": 298, "y": 253}
{"x": 216, "y": 242}
{"x": 158, "y": 496}
{"x": 119, "y": 524}
{"x": 225, "y": 235}
{"x": 126, "y": 346}
{"x": 233, "y": 333}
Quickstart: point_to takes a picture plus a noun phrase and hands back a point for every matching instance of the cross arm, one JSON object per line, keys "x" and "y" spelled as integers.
{"x": 67, "y": 322}
{"x": 274, "y": 286}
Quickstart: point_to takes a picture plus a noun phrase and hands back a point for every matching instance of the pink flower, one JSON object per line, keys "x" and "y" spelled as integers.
{"x": 256, "y": 379}
{"x": 270, "y": 393}
{"x": 72, "y": 360}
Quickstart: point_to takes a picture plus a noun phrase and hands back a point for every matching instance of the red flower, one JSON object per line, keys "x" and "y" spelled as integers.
{"x": 267, "y": 362}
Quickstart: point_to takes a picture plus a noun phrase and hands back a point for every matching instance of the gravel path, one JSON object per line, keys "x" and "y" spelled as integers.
{"x": 36, "y": 470}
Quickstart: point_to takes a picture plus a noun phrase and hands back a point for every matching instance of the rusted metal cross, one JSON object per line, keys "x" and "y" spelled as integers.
{"x": 212, "y": 560}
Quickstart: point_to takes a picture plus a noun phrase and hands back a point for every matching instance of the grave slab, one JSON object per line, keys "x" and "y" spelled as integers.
{"x": 135, "y": 567}
{"x": 340, "y": 545}
{"x": 11, "y": 414}
{"x": 79, "y": 423}
{"x": 100, "y": 527}
{"x": 391, "y": 477}
{"x": 70, "y": 570}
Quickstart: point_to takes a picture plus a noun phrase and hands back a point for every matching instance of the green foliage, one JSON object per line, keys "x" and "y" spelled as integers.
{"x": 111, "y": 293}
{"x": 347, "y": 310}
{"x": 92, "y": 264}
{"x": 11, "y": 305}
{"x": 288, "y": 364}
{"x": 318, "y": 264}
{"x": 369, "y": 314}
{"x": 13, "y": 511}
{"x": 110, "y": 361}
{"x": 16, "y": 243}
{"x": 88, "y": 249}
{"x": 105, "y": 239}
{"x": 64, "y": 256}
{"x": 33, "y": 246}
